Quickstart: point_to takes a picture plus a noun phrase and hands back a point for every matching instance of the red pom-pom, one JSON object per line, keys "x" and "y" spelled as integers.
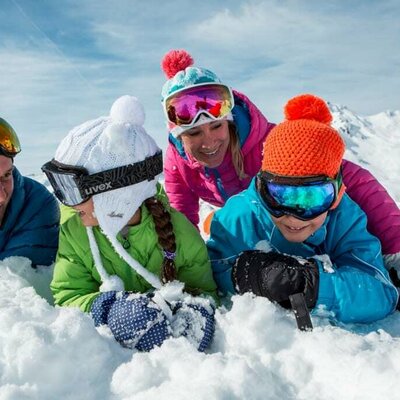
{"x": 307, "y": 106}
{"x": 175, "y": 61}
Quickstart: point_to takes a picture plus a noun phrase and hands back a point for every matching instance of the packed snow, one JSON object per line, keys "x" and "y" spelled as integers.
{"x": 49, "y": 353}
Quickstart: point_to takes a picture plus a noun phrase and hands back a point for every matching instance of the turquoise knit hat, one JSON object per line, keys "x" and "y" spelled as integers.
{"x": 177, "y": 65}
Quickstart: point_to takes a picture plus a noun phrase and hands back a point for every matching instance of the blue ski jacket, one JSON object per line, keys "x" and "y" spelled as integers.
{"x": 356, "y": 288}
{"x": 31, "y": 223}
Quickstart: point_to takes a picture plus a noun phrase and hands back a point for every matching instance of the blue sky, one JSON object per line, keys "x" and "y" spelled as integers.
{"x": 64, "y": 62}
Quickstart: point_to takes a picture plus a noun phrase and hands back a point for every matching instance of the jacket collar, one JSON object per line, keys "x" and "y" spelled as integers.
{"x": 16, "y": 202}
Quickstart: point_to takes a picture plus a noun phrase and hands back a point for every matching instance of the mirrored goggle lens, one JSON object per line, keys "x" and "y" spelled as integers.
{"x": 65, "y": 188}
{"x": 185, "y": 106}
{"x": 306, "y": 201}
{"x": 8, "y": 139}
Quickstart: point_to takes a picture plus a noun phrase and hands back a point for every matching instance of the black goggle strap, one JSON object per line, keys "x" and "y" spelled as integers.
{"x": 301, "y": 312}
{"x": 339, "y": 181}
{"x": 120, "y": 177}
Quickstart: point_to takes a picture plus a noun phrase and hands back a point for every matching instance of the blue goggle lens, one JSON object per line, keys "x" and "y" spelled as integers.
{"x": 305, "y": 201}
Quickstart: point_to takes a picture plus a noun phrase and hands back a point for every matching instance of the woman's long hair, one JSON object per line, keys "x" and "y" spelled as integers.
{"x": 236, "y": 151}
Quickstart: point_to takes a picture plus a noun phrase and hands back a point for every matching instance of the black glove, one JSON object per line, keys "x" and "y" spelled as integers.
{"x": 276, "y": 276}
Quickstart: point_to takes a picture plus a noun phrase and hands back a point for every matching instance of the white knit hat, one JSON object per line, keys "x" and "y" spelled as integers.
{"x": 102, "y": 144}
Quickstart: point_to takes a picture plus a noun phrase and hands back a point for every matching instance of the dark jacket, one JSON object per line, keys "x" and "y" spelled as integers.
{"x": 31, "y": 223}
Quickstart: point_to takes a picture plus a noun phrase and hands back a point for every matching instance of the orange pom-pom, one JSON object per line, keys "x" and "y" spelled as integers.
{"x": 307, "y": 106}
{"x": 175, "y": 61}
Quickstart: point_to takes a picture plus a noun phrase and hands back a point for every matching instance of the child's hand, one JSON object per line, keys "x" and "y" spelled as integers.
{"x": 134, "y": 319}
{"x": 195, "y": 322}
{"x": 276, "y": 276}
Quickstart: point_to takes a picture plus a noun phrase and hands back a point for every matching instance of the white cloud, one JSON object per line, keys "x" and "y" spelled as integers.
{"x": 62, "y": 68}
{"x": 278, "y": 49}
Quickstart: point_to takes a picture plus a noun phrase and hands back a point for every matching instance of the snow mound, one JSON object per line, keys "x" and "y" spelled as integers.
{"x": 257, "y": 353}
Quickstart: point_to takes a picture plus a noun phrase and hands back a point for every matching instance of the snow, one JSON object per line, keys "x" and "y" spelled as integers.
{"x": 49, "y": 353}
{"x": 374, "y": 143}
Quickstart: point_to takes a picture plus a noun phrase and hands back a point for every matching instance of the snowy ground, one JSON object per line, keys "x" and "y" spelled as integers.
{"x": 51, "y": 353}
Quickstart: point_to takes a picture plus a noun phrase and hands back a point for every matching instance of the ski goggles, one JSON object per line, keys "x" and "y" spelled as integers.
{"x": 9, "y": 143}
{"x": 304, "y": 198}
{"x": 74, "y": 185}
{"x": 183, "y": 108}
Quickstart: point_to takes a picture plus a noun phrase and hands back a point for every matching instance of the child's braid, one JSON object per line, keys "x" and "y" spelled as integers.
{"x": 166, "y": 236}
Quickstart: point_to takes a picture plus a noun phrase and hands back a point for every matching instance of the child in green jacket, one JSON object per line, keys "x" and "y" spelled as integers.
{"x": 124, "y": 242}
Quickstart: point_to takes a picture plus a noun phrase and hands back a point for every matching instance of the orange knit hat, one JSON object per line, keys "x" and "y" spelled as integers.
{"x": 304, "y": 144}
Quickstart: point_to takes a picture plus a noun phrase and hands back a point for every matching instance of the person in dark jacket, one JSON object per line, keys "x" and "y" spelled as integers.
{"x": 29, "y": 213}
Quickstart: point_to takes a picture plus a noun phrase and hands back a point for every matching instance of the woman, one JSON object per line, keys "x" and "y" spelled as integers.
{"x": 215, "y": 149}
{"x": 124, "y": 240}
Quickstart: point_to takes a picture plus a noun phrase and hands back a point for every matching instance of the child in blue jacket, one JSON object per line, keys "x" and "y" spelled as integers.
{"x": 297, "y": 206}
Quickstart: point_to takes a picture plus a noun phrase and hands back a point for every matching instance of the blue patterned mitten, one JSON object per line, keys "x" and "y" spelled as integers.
{"x": 134, "y": 320}
{"x": 195, "y": 322}
{"x": 101, "y": 307}
{"x": 137, "y": 322}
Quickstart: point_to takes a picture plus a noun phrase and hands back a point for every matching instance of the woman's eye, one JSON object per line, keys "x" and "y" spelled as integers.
{"x": 216, "y": 126}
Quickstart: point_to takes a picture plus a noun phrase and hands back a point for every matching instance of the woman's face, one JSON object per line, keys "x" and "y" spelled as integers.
{"x": 207, "y": 143}
{"x": 86, "y": 212}
{"x": 295, "y": 230}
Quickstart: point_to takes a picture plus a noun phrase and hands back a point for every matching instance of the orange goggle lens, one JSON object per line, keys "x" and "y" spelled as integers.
{"x": 9, "y": 141}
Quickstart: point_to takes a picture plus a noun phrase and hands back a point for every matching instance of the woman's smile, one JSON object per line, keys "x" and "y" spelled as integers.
{"x": 207, "y": 143}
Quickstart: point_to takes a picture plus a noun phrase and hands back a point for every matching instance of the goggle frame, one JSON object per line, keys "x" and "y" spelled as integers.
{"x": 278, "y": 210}
{"x": 81, "y": 186}
{"x": 201, "y": 111}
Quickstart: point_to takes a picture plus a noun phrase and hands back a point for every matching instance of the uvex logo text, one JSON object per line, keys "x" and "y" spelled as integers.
{"x": 98, "y": 188}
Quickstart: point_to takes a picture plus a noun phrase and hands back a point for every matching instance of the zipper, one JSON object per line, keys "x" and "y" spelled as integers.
{"x": 218, "y": 181}
{"x": 125, "y": 234}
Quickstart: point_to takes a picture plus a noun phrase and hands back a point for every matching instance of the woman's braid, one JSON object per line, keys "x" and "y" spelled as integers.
{"x": 166, "y": 236}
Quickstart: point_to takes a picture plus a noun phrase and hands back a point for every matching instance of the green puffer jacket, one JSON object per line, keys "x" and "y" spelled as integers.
{"x": 76, "y": 281}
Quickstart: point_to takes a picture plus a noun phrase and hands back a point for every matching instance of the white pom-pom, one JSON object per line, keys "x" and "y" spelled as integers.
{"x": 128, "y": 109}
